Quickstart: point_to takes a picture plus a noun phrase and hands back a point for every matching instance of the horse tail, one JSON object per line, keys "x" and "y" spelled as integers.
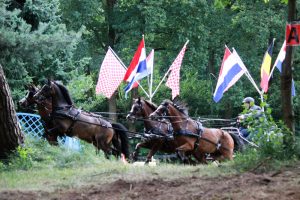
{"x": 238, "y": 143}
{"x": 121, "y": 132}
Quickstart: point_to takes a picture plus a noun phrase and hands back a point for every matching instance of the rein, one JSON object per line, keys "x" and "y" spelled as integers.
{"x": 97, "y": 124}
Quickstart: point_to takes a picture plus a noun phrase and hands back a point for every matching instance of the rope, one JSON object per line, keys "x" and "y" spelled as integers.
{"x": 197, "y": 118}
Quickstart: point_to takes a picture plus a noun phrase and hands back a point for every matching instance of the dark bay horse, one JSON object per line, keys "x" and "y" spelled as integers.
{"x": 84, "y": 125}
{"x": 160, "y": 132}
{"x": 44, "y": 108}
{"x": 192, "y": 137}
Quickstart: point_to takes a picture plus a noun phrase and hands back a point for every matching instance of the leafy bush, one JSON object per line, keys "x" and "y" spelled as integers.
{"x": 276, "y": 142}
{"x": 39, "y": 154}
{"x": 82, "y": 91}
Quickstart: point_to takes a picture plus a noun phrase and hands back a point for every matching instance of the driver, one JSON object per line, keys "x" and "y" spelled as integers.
{"x": 252, "y": 110}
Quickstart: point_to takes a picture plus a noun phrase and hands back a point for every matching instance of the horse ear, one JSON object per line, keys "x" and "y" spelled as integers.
{"x": 176, "y": 100}
{"x": 49, "y": 81}
{"x": 139, "y": 99}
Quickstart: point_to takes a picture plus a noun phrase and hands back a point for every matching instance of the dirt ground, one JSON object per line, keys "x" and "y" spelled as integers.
{"x": 284, "y": 184}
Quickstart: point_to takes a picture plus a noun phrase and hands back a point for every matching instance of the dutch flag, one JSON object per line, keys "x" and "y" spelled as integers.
{"x": 232, "y": 69}
{"x": 138, "y": 68}
{"x": 278, "y": 64}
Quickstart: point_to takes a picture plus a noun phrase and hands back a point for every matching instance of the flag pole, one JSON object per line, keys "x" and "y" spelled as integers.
{"x": 126, "y": 69}
{"x": 143, "y": 36}
{"x": 271, "y": 73}
{"x": 252, "y": 81}
{"x": 261, "y": 94}
{"x": 262, "y": 90}
{"x": 151, "y": 78}
{"x": 166, "y": 74}
{"x": 272, "y": 70}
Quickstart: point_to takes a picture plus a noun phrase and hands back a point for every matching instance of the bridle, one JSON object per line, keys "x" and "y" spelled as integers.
{"x": 40, "y": 94}
{"x": 164, "y": 112}
{"x": 138, "y": 107}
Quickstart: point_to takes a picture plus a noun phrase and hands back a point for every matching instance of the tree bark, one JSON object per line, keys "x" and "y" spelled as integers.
{"x": 112, "y": 107}
{"x": 10, "y": 134}
{"x": 111, "y": 38}
{"x": 286, "y": 78}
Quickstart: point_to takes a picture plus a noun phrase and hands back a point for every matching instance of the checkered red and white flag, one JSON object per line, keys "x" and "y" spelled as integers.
{"x": 173, "y": 80}
{"x": 110, "y": 76}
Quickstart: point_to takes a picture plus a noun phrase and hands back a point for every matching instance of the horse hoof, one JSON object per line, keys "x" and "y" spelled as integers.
{"x": 147, "y": 162}
{"x": 216, "y": 163}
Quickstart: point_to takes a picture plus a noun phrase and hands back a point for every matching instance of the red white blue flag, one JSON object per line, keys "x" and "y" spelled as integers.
{"x": 279, "y": 61}
{"x": 137, "y": 68}
{"x": 232, "y": 69}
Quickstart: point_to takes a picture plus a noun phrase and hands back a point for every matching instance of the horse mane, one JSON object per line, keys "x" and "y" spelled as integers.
{"x": 65, "y": 92}
{"x": 150, "y": 104}
{"x": 181, "y": 107}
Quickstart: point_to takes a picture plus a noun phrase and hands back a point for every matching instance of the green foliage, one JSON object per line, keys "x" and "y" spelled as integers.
{"x": 21, "y": 159}
{"x": 82, "y": 90}
{"x": 58, "y": 39}
{"x": 34, "y": 43}
{"x": 272, "y": 137}
{"x": 39, "y": 154}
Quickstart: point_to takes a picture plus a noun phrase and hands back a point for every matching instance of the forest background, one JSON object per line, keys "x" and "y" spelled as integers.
{"x": 67, "y": 40}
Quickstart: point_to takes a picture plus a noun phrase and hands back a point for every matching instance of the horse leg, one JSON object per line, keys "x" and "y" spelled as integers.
{"x": 146, "y": 144}
{"x": 226, "y": 148}
{"x": 136, "y": 151}
{"x": 106, "y": 148}
{"x": 200, "y": 157}
{"x": 153, "y": 150}
{"x": 116, "y": 149}
{"x": 180, "y": 151}
{"x": 181, "y": 155}
{"x": 96, "y": 144}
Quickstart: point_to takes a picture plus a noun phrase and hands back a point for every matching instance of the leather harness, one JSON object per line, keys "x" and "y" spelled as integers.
{"x": 198, "y": 136}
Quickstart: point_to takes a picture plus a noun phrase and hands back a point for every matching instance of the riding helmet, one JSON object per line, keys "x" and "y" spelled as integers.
{"x": 248, "y": 100}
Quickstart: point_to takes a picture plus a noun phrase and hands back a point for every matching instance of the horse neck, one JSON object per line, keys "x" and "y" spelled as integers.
{"x": 44, "y": 109}
{"x": 177, "y": 118}
{"x": 58, "y": 99}
{"x": 149, "y": 124}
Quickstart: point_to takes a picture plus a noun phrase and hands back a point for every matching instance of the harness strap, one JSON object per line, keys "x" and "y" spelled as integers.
{"x": 69, "y": 131}
{"x": 199, "y": 137}
{"x": 199, "y": 132}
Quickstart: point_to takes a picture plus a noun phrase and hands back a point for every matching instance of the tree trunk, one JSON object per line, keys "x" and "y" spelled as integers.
{"x": 112, "y": 107}
{"x": 10, "y": 134}
{"x": 286, "y": 78}
{"x": 134, "y": 95}
{"x": 111, "y": 38}
{"x": 211, "y": 62}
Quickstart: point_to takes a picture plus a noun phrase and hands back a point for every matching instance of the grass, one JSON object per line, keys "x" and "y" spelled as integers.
{"x": 40, "y": 166}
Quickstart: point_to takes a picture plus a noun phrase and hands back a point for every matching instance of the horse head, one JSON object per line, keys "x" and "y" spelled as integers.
{"x": 136, "y": 109}
{"x": 28, "y": 99}
{"x": 141, "y": 108}
{"x": 44, "y": 93}
{"x": 162, "y": 110}
{"x": 59, "y": 94}
{"x": 169, "y": 108}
